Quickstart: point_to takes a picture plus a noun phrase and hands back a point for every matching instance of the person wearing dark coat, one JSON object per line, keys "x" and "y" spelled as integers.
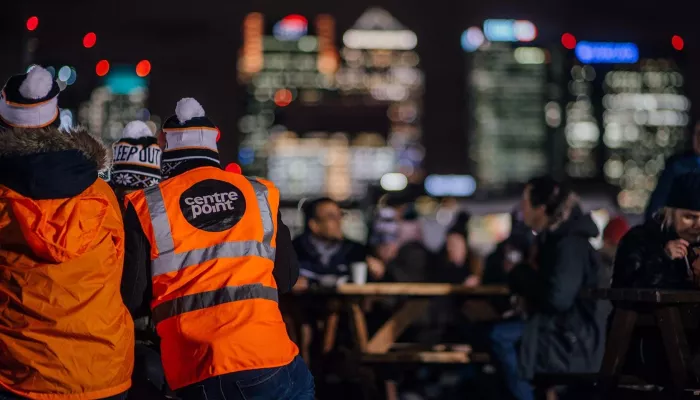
{"x": 676, "y": 165}
{"x": 563, "y": 333}
{"x": 324, "y": 253}
{"x": 663, "y": 252}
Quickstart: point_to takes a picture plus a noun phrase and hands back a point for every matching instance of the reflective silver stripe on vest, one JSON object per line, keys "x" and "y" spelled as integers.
{"x": 265, "y": 210}
{"x": 212, "y": 298}
{"x": 170, "y": 261}
{"x": 176, "y": 261}
{"x": 159, "y": 220}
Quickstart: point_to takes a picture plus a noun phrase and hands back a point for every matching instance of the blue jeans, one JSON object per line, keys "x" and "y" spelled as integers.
{"x": 291, "y": 382}
{"x": 504, "y": 337}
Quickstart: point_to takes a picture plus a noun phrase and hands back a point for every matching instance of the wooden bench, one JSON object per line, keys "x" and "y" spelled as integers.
{"x": 421, "y": 354}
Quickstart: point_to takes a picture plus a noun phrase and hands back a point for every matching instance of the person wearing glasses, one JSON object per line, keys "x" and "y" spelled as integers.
{"x": 324, "y": 253}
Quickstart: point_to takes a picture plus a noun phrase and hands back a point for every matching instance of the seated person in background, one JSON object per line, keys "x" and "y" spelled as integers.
{"x": 660, "y": 254}
{"x": 663, "y": 253}
{"x": 397, "y": 241}
{"x": 563, "y": 333}
{"x": 457, "y": 263}
{"x": 505, "y": 333}
{"x": 324, "y": 254}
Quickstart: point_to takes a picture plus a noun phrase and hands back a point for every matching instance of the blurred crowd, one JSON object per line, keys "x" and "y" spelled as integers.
{"x": 145, "y": 279}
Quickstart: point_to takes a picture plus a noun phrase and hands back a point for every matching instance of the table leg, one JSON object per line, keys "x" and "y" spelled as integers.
{"x": 386, "y": 335}
{"x": 669, "y": 322}
{"x": 330, "y": 329}
{"x": 359, "y": 325}
{"x": 618, "y": 342}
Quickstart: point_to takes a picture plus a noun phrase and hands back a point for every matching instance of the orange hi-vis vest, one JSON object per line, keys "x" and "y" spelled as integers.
{"x": 213, "y": 238}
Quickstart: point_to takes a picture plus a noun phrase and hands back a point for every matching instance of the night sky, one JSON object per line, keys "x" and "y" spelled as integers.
{"x": 193, "y": 46}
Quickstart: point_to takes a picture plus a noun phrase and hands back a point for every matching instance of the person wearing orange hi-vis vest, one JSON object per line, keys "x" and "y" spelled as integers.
{"x": 217, "y": 256}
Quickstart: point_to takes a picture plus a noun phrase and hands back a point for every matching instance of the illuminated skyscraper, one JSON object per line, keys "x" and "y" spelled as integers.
{"x": 513, "y": 104}
{"x": 381, "y": 68}
{"x": 280, "y": 64}
{"x": 627, "y": 113}
{"x": 318, "y": 124}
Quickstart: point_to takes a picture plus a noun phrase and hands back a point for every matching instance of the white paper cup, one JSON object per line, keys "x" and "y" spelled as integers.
{"x": 358, "y": 273}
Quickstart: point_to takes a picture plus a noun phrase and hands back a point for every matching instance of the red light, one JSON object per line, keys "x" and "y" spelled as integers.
{"x": 89, "y": 40}
{"x": 234, "y": 168}
{"x": 568, "y": 41}
{"x": 102, "y": 68}
{"x": 677, "y": 42}
{"x": 32, "y": 23}
{"x": 296, "y": 18}
{"x": 143, "y": 68}
{"x": 283, "y": 97}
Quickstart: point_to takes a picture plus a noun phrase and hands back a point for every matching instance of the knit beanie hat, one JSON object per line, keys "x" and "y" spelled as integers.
{"x": 615, "y": 230}
{"x": 29, "y": 100}
{"x": 189, "y": 135}
{"x": 685, "y": 192}
{"x": 136, "y": 158}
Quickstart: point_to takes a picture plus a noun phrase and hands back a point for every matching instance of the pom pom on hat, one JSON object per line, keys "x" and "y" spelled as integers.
{"x": 37, "y": 84}
{"x": 189, "y": 135}
{"x": 188, "y": 108}
{"x": 136, "y": 130}
{"x": 234, "y": 168}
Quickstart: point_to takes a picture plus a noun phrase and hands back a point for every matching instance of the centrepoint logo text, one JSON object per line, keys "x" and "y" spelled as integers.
{"x": 208, "y": 204}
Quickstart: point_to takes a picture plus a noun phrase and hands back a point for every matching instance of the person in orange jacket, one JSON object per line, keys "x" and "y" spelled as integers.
{"x": 216, "y": 255}
{"x": 65, "y": 333}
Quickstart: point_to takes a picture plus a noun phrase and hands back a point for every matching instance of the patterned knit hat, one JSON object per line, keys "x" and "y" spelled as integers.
{"x": 29, "y": 100}
{"x": 189, "y": 135}
{"x": 136, "y": 158}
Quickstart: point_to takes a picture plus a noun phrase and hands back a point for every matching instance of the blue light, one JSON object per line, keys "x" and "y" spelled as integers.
{"x": 450, "y": 185}
{"x": 472, "y": 39}
{"x": 246, "y": 155}
{"x": 499, "y": 30}
{"x": 509, "y": 30}
{"x": 124, "y": 84}
{"x": 607, "y": 53}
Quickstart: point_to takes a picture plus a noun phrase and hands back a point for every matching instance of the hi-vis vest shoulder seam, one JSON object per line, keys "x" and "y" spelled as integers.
{"x": 168, "y": 260}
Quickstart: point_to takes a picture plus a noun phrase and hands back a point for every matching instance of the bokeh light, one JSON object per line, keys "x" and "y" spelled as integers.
{"x": 64, "y": 73}
{"x": 283, "y": 97}
{"x": 73, "y": 76}
{"x": 677, "y": 42}
{"x": 89, "y": 40}
{"x": 143, "y": 68}
{"x": 32, "y": 23}
{"x": 102, "y": 68}
{"x": 568, "y": 41}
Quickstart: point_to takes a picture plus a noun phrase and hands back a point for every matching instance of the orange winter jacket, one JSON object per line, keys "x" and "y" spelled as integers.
{"x": 64, "y": 330}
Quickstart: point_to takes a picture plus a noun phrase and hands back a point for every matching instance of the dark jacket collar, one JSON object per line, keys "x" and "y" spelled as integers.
{"x": 48, "y": 163}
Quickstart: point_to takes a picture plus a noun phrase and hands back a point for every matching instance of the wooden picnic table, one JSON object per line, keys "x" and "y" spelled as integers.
{"x": 377, "y": 348}
{"x": 668, "y": 310}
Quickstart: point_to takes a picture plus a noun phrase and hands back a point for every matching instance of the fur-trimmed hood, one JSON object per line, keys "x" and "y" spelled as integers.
{"x": 48, "y": 163}
{"x": 24, "y": 142}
